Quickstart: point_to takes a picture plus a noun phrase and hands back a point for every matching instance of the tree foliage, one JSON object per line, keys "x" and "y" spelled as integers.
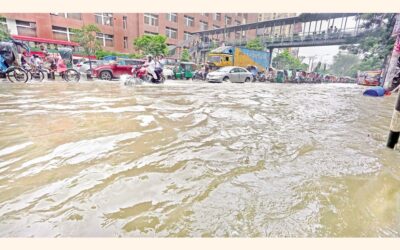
{"x": 378, "y": 43}
{"x": 285, "y": 60}
{"x": 86, "y": 37}
{"x": 100, "y": 54}
{"x": 255, "y": 44}
{"x": 345, "y": 64}
{"x": 185, "y": 56}
{"x": 4, "y": 32}
{"x": 151, "y": 44}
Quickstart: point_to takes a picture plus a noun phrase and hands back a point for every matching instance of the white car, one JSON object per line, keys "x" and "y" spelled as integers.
{"x": 230, "y": 74}
{"x": 83, "y": 67}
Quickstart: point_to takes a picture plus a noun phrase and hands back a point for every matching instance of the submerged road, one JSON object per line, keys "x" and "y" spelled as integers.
{"x": 196, "y": 159}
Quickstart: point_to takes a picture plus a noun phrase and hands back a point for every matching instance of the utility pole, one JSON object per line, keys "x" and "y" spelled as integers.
{"x": 393, "y": 71}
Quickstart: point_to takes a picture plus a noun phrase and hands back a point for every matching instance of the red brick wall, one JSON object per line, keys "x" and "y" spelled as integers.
{"x": 135, "y": 27}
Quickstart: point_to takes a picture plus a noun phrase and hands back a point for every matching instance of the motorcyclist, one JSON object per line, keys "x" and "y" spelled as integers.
{"x": 159, "y": 65}
{"x": 151, "y": 66}
{"x": 253, "y": 70}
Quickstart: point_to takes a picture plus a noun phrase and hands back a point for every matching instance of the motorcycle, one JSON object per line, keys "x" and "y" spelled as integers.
{"x": 141, "y": 72}
{"x": 261, "y": 77}
{"x": 198, "y": 75}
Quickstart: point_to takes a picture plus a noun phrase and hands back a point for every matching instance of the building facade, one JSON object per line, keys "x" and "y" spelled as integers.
{"x": 118, "y": 30}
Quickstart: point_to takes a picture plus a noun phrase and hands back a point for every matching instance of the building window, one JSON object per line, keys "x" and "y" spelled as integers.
{"x": 151, "y": 19}
{"x": 187, "y": 36}
{"x": 3, "y": 22}
{"x": 77, "y": 16}
{"x": 171, "y": 33}
{"x": 237, "y": 22}
{"x": 26, "y": 28}
{"x": 172, "y": 17}
{"x": 61, "y": 33}
{"x": 228, "y": 20}
{"x": 125, "y": 22}
{"x": 104, "y": 18}
{"x": 203, "y": 26}
{"x": 105, "y": 40}
{"x": 215, "y": 27}
{"x": 217, "y": 16}
{"x": 189, "y": 21}
{"x": 150, "y": 33}
{"x": 237, "y": 34}
{"x": 125, "y": 42}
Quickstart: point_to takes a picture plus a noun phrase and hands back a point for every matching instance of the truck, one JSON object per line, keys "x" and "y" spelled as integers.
{"x": 238, "y": 56}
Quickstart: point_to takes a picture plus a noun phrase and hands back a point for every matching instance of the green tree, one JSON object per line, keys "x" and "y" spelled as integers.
{"x": 185, "y": 57}
{"x": 151, "y": 44}
{"x": 318, "y": 67}
{"x": 377, "y": 44}
{"x": 345, "y": 64}
{"x": 86, "y": 37}
{"x": 285, "y": 60}
{"x": 255, "y": 44}
{"x": 103, "y": 53}
{"x": 4, "y": 33}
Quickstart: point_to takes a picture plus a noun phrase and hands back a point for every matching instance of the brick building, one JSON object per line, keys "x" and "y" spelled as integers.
{"x": 118, "y": 30}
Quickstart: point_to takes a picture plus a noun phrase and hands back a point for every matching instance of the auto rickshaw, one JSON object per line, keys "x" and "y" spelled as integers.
{"x": 10, "y": 63}
{"x": 280, "y": 76}
{"x": 185, "y": 70}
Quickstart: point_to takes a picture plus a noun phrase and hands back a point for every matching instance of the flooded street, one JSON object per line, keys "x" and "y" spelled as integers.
{"x": 195, "y": 159}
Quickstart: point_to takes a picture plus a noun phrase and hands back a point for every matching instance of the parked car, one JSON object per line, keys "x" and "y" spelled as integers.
{"x": 116, "y": 69}
{"x": 230, "y": 73}
{"x": 84, "y": 67}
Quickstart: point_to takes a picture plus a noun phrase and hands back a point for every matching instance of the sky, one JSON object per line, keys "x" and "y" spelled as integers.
{"x": 323, "y": 53}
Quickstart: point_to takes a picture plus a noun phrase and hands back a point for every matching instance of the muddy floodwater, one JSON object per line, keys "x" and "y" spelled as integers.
{"x": 193, "y": 159}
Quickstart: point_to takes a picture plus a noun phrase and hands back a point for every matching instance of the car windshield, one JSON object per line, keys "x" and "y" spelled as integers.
{"x": 214, "y": 58}
{"x": 224, "y": 69}
{"x": 93, "y": 62}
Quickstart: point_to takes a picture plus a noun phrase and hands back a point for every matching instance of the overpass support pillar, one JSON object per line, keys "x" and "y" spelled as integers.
{"x": 270, "y": 57}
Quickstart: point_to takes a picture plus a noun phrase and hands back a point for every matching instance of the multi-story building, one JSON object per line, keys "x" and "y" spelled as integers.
{"x": 118, "y": 30}
{"x": 281, "y": 30}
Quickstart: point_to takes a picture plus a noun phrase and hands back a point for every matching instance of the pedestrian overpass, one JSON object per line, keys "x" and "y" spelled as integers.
{"x": 304, "y": 30}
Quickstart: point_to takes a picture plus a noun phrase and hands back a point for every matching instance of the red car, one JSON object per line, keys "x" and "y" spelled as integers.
{"x": 115, "y": 70}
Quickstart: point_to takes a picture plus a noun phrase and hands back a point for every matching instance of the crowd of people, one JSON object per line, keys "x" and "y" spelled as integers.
{"x": 301, "y": 76}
